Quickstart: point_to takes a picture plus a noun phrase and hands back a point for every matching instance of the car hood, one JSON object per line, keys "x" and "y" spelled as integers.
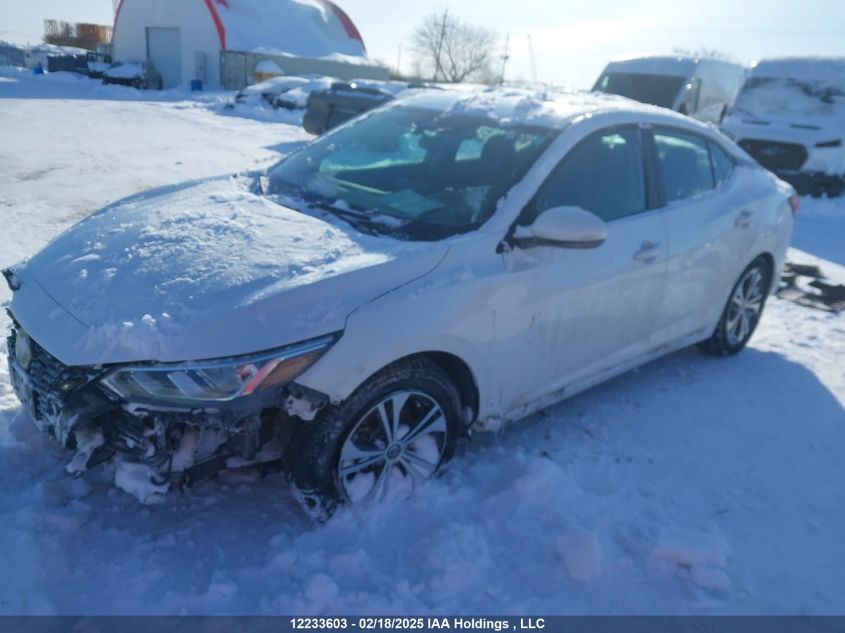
{"x": 204, "y": 270}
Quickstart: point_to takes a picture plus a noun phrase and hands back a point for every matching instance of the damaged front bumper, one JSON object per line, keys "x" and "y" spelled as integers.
{"x": 73, "y": 406}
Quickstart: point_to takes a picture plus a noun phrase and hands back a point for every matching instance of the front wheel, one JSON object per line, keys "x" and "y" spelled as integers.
{"x": 392, "y": 434}
{"x": 743, "y": 311}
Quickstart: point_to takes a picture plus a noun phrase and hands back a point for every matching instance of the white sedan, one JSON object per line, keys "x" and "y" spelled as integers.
{"x": 447, "y": 262}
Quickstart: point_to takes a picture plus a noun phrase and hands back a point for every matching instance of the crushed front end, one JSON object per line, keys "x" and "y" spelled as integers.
{"x": 164, "y": 416}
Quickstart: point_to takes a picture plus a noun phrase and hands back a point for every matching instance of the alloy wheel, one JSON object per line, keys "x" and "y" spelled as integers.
{"x": 745, "y": 307}
{"x": 398, "y": 443}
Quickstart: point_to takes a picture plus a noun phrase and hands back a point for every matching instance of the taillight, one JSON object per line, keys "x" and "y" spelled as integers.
{"x": 794, "y": 204}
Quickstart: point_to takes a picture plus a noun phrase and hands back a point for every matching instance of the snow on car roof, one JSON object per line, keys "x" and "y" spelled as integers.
{"x": 525, "y": 106}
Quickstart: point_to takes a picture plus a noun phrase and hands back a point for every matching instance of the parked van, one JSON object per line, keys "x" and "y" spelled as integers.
{"x": 699, "y": 87}
{"x": 790, "y": 116}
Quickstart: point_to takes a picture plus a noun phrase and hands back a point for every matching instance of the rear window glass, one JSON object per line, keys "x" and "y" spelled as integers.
{"x": 722, "y": 163}
{"x": 684, "y": 164}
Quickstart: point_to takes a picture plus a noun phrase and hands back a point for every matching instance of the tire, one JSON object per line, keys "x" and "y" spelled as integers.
{"x": 740, "y": 318}
{"x": 348, "y": 442}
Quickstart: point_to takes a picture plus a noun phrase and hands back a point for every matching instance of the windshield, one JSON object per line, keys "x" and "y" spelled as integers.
{"x": 766, "y": 97}
{"x": 659, "y": 90}
{"x": 416, "y": 173}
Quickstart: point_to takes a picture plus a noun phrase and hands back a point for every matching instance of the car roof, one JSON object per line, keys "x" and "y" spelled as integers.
{"x": 663, "y": 64}
{"x": 552, "y": 108}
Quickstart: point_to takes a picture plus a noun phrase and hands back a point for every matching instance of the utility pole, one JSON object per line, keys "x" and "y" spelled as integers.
{"x": 505, "y": 57}
{"x": 533, "y": 61}
{"x": 438, "y": 64}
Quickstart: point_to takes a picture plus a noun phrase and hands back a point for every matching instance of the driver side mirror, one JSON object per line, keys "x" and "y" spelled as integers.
{"x": 567, "y": 227}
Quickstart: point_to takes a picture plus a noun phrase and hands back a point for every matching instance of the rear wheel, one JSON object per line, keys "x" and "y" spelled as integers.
{"x": 743, "y": 311}
{"x": 392, "y": 434}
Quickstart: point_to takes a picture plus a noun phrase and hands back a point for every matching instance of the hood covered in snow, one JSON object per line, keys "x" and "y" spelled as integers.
{"x": 204, "y": 270}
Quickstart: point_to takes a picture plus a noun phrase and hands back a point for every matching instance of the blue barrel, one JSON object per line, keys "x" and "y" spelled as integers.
{"x": 196, "y": 85}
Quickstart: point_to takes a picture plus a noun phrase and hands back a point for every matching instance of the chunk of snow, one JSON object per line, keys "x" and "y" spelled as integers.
{"x": 582, "y": 554}
{"x": 687, "y": 547}
{"x": 268, "y": 67}
{"x": 709, "y": 578}
{"x": 139, "y": 481}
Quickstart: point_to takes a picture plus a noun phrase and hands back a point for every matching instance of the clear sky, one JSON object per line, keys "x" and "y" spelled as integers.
{"x": 572, "y": 39}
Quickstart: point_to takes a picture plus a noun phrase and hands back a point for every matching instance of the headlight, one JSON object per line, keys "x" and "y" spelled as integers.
{"x": 216, "y": 381}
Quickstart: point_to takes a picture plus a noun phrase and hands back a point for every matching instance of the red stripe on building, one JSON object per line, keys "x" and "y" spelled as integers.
{"x": 218, "y": 23}
{"x": 116, "y": 15}
{"x": 348, "y": 24}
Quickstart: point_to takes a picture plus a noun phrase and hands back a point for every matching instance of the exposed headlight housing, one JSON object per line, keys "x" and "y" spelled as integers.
{"x": 216, "y": 381}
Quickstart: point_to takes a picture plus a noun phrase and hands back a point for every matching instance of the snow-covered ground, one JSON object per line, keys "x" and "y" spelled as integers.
{"x": 693, "y": 485}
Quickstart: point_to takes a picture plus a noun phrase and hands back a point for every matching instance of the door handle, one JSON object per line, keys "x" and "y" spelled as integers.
{"x": 648, "y": 252}
{"x": 743, "y": 220}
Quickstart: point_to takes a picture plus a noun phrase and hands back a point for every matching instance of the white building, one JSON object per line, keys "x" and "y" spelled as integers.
{"x": 220, "y": 41}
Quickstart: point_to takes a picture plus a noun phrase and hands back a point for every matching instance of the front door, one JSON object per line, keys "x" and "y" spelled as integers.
{"x": 587, "y": 311}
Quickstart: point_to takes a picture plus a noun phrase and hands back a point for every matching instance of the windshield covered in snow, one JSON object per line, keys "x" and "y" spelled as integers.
{"x": 659, "y": 90}
{"x": 414, "y": 172}
{"x": 772, "y": 97}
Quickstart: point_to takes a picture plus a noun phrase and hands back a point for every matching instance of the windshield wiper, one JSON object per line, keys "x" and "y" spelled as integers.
{"x": 364, "y": 222}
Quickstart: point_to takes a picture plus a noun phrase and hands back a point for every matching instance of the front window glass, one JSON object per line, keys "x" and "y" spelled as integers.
{"x": 659, "y": 90}
{"x": 603, "y": 174}
{"x": 421, "y": 173}
{"x": 684, "y": 164}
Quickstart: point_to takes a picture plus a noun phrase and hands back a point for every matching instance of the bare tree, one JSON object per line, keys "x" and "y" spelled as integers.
{"x": 452, "y": 51}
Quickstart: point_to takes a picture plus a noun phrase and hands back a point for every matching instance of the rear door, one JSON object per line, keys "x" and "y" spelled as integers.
{"x": 709, "y": 223}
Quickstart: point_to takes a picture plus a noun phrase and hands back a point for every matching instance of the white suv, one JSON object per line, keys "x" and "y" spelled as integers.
{"x": 445, "y": 262}
{"x": 790, "y": 116}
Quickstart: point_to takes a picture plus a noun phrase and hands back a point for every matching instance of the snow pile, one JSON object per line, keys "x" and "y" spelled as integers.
{"x": 268, "y": 67}
{"x": 703, "y": 555}
{"x": 54, "y": 50}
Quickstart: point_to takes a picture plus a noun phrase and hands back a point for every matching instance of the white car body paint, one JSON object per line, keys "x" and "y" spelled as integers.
{"x": 532, "y": 335}
{"x": 532, "y": 325}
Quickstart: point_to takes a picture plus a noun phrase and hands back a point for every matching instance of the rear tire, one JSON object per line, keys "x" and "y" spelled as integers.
{"x": 743, "y": 311}
{"x": 395, "y": 431}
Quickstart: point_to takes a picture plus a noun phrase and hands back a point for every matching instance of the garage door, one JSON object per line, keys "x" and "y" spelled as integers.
{"x": 164, "y": 49}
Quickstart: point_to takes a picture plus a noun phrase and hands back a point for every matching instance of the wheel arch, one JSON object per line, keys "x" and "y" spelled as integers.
{"x": 455, "y": 368}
